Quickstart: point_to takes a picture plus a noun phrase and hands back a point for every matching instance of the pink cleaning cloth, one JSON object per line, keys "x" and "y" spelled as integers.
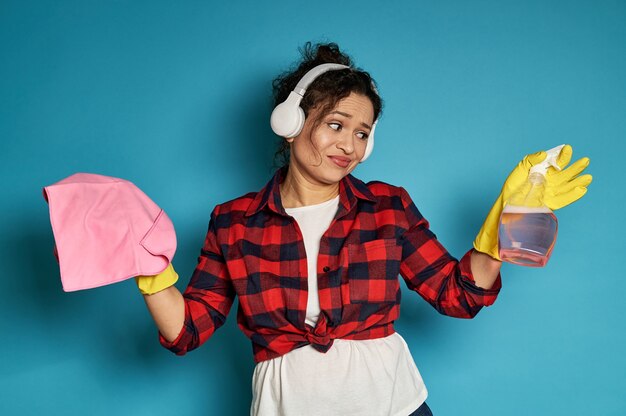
{"x": 106, "y": 230}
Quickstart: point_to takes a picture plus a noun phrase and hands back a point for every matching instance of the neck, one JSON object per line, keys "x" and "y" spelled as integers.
{"x": 297, "y": 191}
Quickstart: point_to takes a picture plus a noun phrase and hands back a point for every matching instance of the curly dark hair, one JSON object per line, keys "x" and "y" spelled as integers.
{"x": 326, "y": 90}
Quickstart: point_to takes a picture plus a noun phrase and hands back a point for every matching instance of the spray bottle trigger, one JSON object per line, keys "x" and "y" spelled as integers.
{"x": 550, "y": 160}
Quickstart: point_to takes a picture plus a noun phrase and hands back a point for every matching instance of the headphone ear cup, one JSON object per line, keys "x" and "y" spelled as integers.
{"x": 370, "y": 143}
{"x": 299, "y": 124}
{"x": 287, "y": 119}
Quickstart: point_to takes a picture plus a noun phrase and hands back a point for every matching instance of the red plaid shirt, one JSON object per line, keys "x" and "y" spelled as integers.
{"x": 254, "y": 250}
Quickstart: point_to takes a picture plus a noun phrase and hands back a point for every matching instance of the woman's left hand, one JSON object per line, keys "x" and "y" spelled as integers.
{"x": 561, "y": 188}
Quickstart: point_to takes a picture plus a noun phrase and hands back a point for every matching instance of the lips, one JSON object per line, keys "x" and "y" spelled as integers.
{"x": 342, "y": 162}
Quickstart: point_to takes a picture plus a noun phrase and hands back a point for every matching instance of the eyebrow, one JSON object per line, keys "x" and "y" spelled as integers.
{"x": 341, "y": 113}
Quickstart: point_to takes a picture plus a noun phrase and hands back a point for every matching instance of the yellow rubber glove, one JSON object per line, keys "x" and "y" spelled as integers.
{"x": 561, "y": 188}
{"x": 149, "y": 285}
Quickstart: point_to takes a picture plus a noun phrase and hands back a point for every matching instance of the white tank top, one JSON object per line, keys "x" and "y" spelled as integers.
{"x": 354, "y": 377}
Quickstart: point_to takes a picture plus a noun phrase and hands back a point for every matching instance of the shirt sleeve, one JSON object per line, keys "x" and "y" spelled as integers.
{"x": 443, "y": 281}
{"x": 208, "y": 297}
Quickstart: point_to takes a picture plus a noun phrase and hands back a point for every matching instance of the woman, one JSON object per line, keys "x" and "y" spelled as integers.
{"x": 314, "y": 258}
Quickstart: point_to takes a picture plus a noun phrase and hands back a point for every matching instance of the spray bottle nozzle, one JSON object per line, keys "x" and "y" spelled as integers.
{"x": 550, "y": 160}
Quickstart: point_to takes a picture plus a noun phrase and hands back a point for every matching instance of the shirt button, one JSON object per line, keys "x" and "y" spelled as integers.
{"x": 326, "y": 269}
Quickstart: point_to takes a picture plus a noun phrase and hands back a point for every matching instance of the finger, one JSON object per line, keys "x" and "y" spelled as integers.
{"x": 559, "y": 201}
{"x": 565, "y": 155}
{"x": 566, "y": 175}
{"x": 579, "y": 182}
{"x": 520, "y": 174}
{"x": 533, "y": 159}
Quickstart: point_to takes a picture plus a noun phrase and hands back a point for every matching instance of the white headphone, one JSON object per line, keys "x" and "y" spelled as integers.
{"x": 287, "y": 119}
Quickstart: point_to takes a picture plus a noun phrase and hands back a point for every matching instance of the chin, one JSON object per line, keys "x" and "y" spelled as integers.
{"x": 335, "y": 175}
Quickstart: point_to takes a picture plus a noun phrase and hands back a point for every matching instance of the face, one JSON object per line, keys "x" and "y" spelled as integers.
{"x": 337, "y": 144}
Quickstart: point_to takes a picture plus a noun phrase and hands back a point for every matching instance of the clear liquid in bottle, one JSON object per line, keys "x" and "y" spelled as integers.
{"x": 527, "y": 235}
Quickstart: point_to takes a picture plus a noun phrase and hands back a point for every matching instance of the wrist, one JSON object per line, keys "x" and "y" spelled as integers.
{"x": 485, "y": 269}
{"x": 149, "y": 285}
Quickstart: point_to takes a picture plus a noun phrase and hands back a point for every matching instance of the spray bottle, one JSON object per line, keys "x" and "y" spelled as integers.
{"x": 528, "y": 228}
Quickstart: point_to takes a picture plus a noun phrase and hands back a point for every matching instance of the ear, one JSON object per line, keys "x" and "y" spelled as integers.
{"x": 289, "y": 139}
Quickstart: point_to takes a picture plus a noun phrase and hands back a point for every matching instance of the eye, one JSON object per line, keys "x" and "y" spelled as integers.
{"x": 335, "y": 126}
{"x": 362, "y": 135}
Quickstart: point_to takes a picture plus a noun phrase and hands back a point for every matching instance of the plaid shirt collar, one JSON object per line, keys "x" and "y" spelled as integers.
{"x": 350, "y": 189}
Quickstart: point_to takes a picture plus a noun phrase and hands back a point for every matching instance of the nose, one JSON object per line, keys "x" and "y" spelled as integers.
{"x": 346, "y": 142}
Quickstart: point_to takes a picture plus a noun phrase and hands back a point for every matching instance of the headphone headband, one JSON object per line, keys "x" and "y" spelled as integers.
{"x": 313, "y": 73}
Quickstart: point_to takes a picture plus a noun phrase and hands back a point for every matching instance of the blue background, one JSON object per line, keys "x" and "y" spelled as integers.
{"x": 174, "y": 96}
